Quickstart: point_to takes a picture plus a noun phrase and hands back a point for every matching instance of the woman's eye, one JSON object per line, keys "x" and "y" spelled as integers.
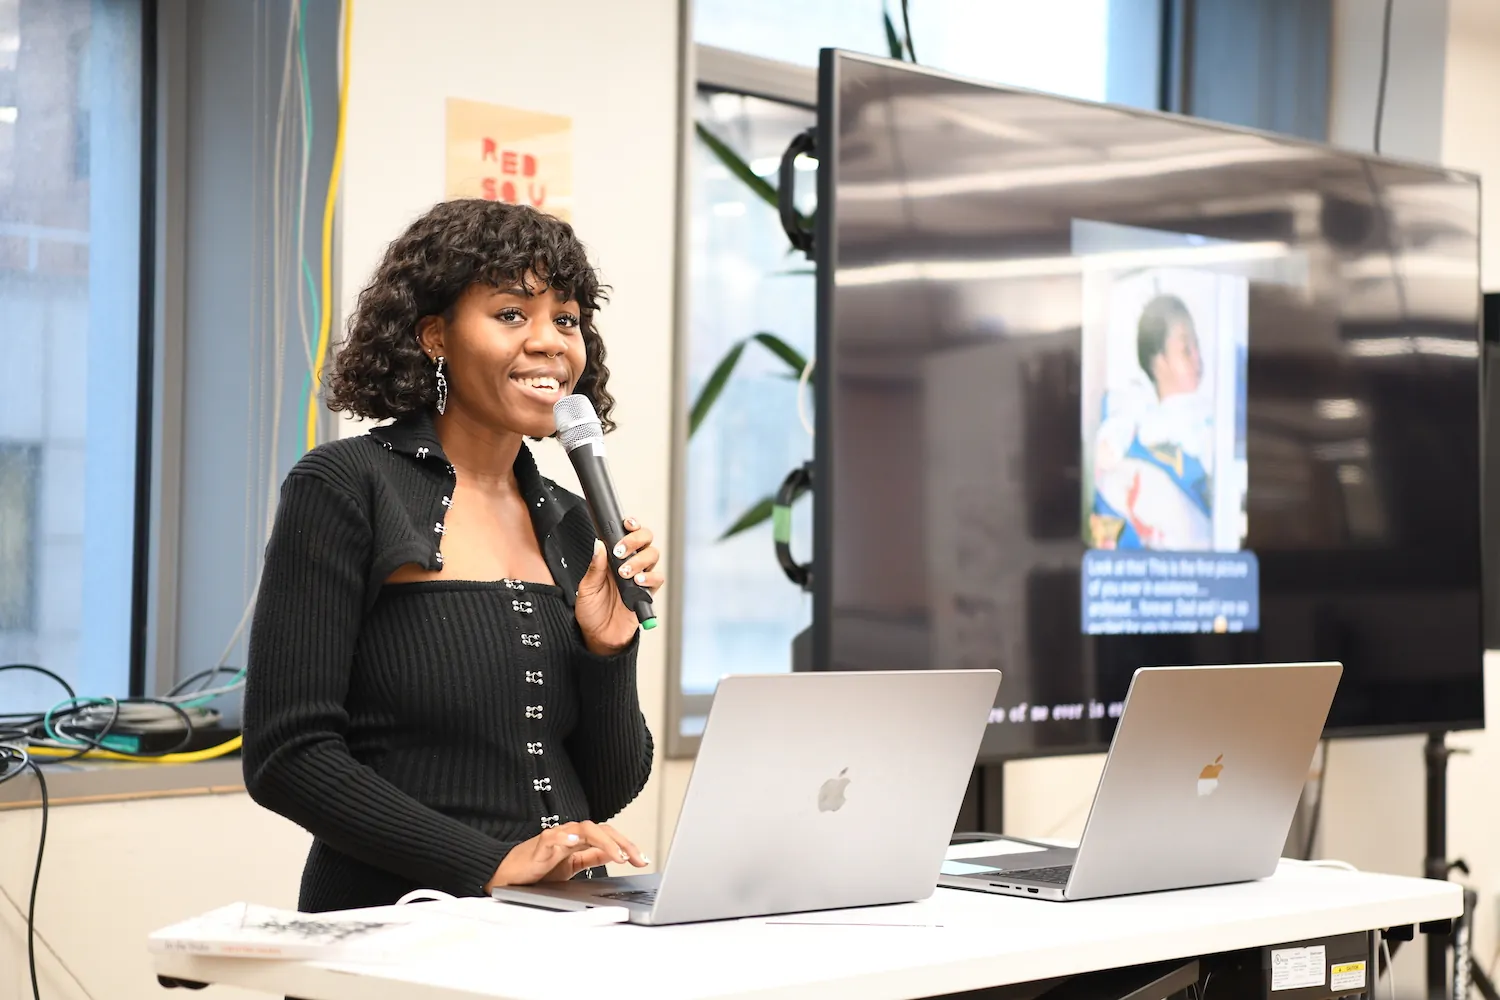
{"x": 567, "y": 320}
{"x": 511, "y": 315}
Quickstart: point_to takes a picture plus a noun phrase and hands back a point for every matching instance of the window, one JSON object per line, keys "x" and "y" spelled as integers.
{"x": 739, "y": 612}
{"x": 70, "y": 233}
{"x": 1061, "y": 46}
{"x": 18, "y": 537}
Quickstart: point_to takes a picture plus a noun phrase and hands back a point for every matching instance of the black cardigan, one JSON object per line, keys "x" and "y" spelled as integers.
{"x": 420, "y": 731}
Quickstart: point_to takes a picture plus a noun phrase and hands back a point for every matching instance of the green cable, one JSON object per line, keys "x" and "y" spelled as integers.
{"x": 207, "y": 699}
{"x": 47, "y": 718}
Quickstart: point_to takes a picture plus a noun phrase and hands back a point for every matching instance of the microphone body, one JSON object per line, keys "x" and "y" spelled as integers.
{"x": 583, "y": 437}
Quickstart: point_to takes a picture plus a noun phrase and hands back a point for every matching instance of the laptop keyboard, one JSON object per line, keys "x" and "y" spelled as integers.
{"x": 1051, "y": 876}
{"x": 631, "y": 895}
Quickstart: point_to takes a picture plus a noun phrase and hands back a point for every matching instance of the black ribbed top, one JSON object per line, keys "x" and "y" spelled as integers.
{"x": 420, "y": 731}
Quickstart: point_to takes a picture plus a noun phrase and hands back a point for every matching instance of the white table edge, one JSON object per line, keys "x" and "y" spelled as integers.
{"x": 298, "y": 978}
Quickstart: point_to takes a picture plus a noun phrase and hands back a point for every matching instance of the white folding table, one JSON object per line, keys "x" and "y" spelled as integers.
{"x": 954, "y": 942}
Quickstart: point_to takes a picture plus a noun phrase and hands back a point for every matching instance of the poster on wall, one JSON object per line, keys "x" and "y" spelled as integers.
{"x": 511, "y": 155}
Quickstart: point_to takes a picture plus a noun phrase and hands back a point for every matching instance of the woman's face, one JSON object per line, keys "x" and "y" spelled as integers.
{"x": 512, "y": 352}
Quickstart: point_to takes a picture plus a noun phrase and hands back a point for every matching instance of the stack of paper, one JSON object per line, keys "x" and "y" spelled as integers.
{"x": 244, "y": 930}
{"x": 377, "y": 934}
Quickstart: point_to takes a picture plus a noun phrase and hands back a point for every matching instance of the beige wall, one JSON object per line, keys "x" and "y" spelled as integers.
{"x": 1414, "y": 91}
{"x": 1471, "y": 127}
{"x": 115, "y": 872}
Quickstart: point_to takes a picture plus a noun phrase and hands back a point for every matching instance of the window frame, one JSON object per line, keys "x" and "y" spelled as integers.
{"x": 158, "y": 528}
{"x": 146, "y": 338}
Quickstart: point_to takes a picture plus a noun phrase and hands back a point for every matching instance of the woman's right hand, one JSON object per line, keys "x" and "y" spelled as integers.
{"x": 559, "y": 853}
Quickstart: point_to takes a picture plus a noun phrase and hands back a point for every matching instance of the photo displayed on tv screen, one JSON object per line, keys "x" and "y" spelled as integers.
{"x": 1165, "y": 334}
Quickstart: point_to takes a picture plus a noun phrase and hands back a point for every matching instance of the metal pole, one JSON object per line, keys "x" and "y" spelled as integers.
{"x": 1436, "y": 865}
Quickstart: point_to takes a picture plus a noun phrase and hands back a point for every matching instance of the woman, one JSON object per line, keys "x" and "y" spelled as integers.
{"x": 442, "y": 683}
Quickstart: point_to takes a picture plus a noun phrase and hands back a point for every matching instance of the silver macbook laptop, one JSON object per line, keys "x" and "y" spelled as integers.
{"x": 1199, "y": 788}
{"x": 811, "y": 791}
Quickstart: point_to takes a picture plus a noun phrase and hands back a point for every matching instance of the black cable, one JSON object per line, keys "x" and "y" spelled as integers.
{"x": 89, "y": 742}
{"x": 183, "y": 686}
{"x": 187, "y": 726}
{"x": 1385, "y": 66}
{"x": 24, "y": 763}
{"x": 36, "y": 878}
{"x": 20, "y": 759}
{"x": 43, "y": 671}
{"x": 24, "y": 726}
{"x": 19, "y": 732}
{"x": 19, "y": 725}
{"x": 94, "y": 739}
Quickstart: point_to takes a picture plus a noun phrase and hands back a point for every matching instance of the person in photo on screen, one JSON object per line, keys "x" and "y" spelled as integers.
{"x": 442, "y": 676}
{"x": 1153, "y": 454}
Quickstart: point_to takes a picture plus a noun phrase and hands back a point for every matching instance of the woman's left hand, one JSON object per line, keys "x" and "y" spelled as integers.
{"x": 608, "y": 625}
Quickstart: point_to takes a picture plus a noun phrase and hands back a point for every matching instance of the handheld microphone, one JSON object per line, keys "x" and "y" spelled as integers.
{"x": 581, "y": 433}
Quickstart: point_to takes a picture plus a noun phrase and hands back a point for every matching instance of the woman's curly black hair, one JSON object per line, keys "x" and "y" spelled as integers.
{"x": 381, "y": 370}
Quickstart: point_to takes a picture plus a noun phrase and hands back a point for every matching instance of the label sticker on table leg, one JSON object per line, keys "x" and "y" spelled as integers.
{"x": 1298, "y": 968}
{"x": 1348, "y": 976}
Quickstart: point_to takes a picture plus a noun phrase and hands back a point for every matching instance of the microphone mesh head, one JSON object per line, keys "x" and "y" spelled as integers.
{"x": 577, "y": 423}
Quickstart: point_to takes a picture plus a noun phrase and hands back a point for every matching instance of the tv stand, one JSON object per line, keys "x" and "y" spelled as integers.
{"x": 1451, "y": 971}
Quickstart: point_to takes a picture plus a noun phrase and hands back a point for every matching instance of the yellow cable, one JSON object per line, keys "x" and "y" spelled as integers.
{"x": 328, "y": 203}
{"x": 191, "y": 757}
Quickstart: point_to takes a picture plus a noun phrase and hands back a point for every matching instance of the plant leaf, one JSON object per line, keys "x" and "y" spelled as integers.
{"x": 893, "y": 40}
{"x": 709, "y": 394}
{"x": 906, "y": 26}
{"x": 763, "y": 188}
{"x": 786, "y": 352}
{"x": 758, "y": 514}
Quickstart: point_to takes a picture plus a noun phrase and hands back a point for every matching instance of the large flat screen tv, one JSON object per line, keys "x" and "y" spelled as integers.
{"x": 1100, "y": 388}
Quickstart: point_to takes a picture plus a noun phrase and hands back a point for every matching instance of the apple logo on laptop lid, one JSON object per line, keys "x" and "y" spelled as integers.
{"x": 831, "y": 795}
{"x": 1208, "y": 778}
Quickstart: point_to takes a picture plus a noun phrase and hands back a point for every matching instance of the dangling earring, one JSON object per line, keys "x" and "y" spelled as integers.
{"x": 442, "y": 400}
